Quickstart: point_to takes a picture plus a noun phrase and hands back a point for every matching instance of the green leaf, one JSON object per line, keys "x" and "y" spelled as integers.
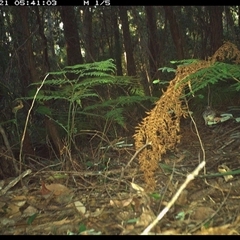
{"x": 156, "y": 196}
{"x": 133, "y": 220}
{"x": 44, "y": 110}
{"x": 167, "y": 69}
{"x": 156, "y": 81}
{"x": 31, "y": 218}
{"x": 180, "y": 216}
{"x": 82, "y": 228}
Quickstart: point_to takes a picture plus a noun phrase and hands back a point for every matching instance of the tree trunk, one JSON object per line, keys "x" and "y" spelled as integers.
{"x": 46, "y": 64}
{"x": 216, "y": 27}
{"x": 142, "y": 48}
{"x": 71, "y": 35}
{"x": 131, "y": 67}
{"x": 117, "y": 44}
{"x": 153, "y": 42}
{"x": 230, "y": 23}
{"x": 175, "y": 31}
{"x": 34, "y": 75}
{"x": 88, "y": 35}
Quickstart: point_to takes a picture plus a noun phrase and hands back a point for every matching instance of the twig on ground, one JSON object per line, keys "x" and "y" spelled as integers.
{"x": 189, "y": 178}
{"x": 136, "y": 153}
{"x": 128, "y": 164}
{"x": 15, "y": 181}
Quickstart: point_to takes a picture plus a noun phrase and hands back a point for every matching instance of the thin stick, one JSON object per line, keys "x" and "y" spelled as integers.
{"x": 136, "y": 153}
{"x": 189, "y": 178}
{"x": 26, "y": 123}
{"x": 6, "y": 142}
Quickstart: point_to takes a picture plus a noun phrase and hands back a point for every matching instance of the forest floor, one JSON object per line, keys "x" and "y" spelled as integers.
{"x": 103, "y": 197}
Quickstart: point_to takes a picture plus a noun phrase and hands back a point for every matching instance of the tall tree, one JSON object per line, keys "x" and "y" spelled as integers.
{"x": 45, "y": 62}
{"x": 28, "y": 70}
{"x": 88, "y": 34}
{"x": 153, "y": 41}
{"x": 117, "y": 42}
{"x": 175, "y": 31}
{"x": 28, "y": 73}
{"x": 216, "y": 27}
{"x": 230, "y": 23}
{"x": 131, "y": 67}
{"x": 142, "y": 49}
{"x": 71, "y": 35}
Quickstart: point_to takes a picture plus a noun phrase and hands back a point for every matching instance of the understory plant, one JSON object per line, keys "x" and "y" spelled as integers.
{"x": 78, "y": 94}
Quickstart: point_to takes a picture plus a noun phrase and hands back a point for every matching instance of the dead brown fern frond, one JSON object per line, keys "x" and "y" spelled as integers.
{"x": 160, "y": 129}
{"x": 228, "y": 51}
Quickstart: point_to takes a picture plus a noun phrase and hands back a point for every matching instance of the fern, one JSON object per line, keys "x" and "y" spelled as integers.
{"x": 219, "y": 71}
{"x": 184, "y": 62}
{"x": 119, "y": 101}
{"x": 89, "y": 78}
{"x": 116, "y": 115}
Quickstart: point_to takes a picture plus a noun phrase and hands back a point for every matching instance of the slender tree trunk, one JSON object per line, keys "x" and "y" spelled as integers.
{"x": 28, "y": 72}
{"x": 107, "y": 33}
{"x": 88, "y": 34}
{"x": 175, "y": 31}
{"x": 117, "y": 43}
{"x": 46, "y": 64}
{"x": 71, "y": 35}
{"x": 204, "y": 34}
{"x": 142, "y": 48}
{"x": 153, "y": 41}
{"x": 216, "y": 27}
{"x": 131, "y": 67}
{"x": 32, "y": 74}
{"x": 230, "y": 23}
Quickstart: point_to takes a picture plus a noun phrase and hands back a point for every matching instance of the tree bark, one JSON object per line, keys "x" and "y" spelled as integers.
{"x": 175, "y": 31}
{"x": 71, "y": 35}
{"x": 153, "y": 41}
{"x": 131, "y": 67}
{"x": 216, "y": 27}
{"x": 88, "y": 34}
{"x": 34, "y": 78}
{"x": 117, "y": 44}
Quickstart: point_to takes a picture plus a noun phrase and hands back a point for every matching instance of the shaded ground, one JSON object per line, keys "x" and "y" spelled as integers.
{"x": 98, "y": 197}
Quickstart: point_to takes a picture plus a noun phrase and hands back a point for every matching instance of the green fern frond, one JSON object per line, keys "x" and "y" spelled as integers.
{"x": 184, "y": 61}
{"x": 119, "y": 101}
{"x": 91, "y": 82}
{"x": 52, "y": 82}
{"x": 116, "y": 115}
{"x": 103, "y": 66}
{"x": 219, "y": 71}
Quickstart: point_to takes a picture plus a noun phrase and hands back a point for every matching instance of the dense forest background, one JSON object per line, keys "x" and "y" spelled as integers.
{"x": 141, "y": 39}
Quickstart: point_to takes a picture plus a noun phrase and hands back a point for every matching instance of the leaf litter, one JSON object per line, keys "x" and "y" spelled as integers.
{"x": 116, "y": 201}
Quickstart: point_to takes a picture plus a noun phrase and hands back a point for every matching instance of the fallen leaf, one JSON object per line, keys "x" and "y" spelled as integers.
{"x": 146, "y": 218}
{"x": 222, "y": 230}
{"x": 120, "y": 203}
{"x": 29, "y": 211}
{"x": 201, "y": 213}
{"x": 58, "y": 189}
{"x": 80, "y": 207}
{"x": 46, "y": 193}
{"x": 137, "y": 187}
{"x": 61, "y": 222}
